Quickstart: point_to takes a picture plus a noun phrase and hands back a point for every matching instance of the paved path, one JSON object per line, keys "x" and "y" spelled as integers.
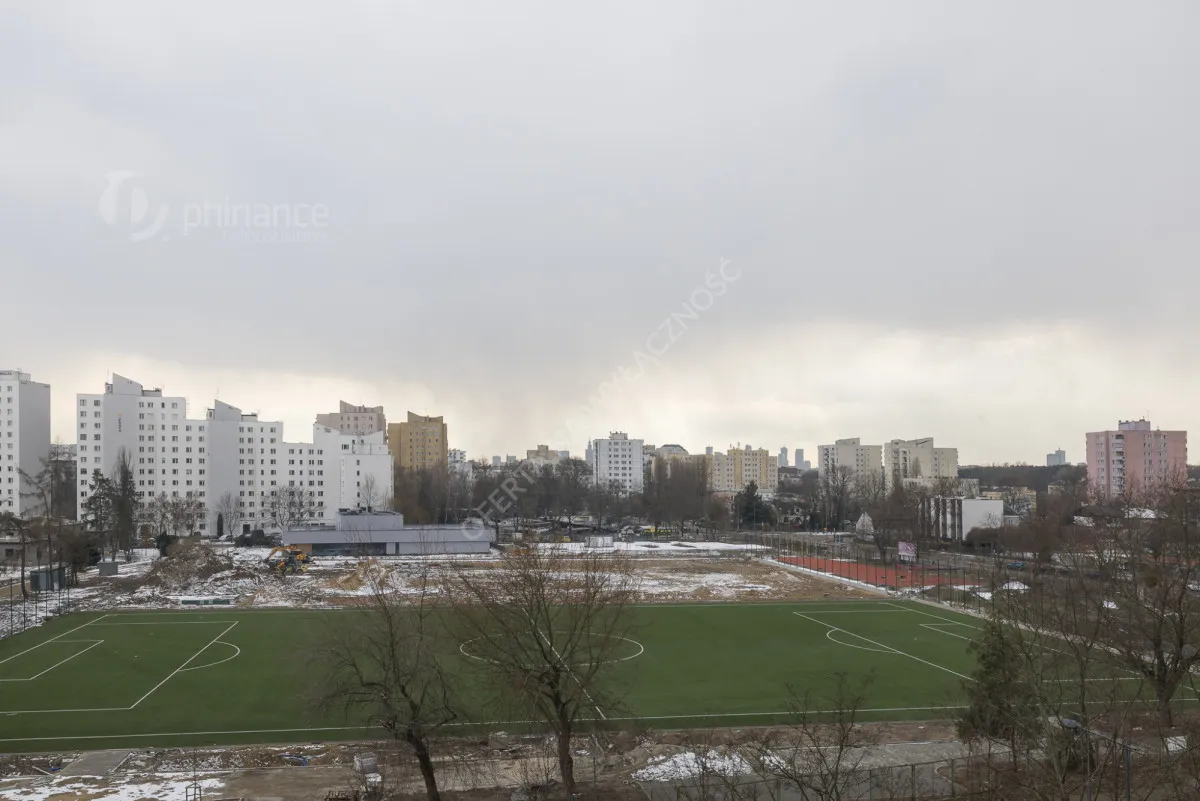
{"x": 95, "y": 763}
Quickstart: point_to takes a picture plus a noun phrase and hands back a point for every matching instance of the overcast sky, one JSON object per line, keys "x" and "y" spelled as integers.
{"x": 972, "y": 221}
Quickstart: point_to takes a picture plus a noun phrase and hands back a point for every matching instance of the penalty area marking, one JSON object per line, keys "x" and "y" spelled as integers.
{"x": 94, "y": 643}
{"x": 52, "y": 639}
{"x": 236, "y": 653}
{"x": 889, "y": 648}
{"x": 153, "y": 689}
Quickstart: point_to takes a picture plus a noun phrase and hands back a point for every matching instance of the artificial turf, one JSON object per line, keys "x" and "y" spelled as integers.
{"x": 142, "y": 679}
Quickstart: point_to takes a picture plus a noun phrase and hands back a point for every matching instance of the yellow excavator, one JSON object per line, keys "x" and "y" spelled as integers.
{"x": 288, "y": 560}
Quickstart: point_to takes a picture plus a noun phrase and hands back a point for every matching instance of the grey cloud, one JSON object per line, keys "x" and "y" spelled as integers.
{"x": 519, "y": 193}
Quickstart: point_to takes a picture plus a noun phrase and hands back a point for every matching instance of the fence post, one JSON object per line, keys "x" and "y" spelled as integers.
{"x": 913, "y": 774}
{"x": 953, "y": 780}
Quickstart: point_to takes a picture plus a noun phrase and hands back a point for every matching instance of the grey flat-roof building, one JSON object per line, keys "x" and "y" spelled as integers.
{"x": 384, "y": 533}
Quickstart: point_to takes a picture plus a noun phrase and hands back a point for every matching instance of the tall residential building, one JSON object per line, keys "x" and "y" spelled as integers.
{"x": 24, "y": 439}
{"x": 1134, "y": 458}
{"x": 708, "y": 450}
{"x": 167, "y": 451}
{"x": 617, "y": 459}
{"x": 860, "y": 459}
{"x": 351, "y": 419}
{"x": 496, "y": 461}
{"x": 1056, "y": 459}
{"x": 457, "y": 459}
{"x": 358, "y": 470}
{"x": 733, "y": 471}
{"x": 245, "y": 463}
{"x": 905, "y": 459}
{"x": 800, "y": 461}
{"x": 783, "y": 457}
{"x": 419, "y": 443}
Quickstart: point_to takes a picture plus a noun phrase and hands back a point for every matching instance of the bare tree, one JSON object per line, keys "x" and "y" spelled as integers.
{"x": 368, "y": 492}
{"x": 1146, "y": 561}
{"x": 290, "y": 506}
{"x": 836, "y": 490}
{"x": 547, "y": 630}
{"x": 18, "y": 528}
{"x": 156, "y": 514}
{"x": 819, "y": 754}
{"x": 185, "y": 515}
{"x": 230, "y": 513}
{"x": 383, "y": 667}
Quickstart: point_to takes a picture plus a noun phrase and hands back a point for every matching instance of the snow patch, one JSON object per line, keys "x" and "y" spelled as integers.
{"x": 133, "y": 791}
{"x": 688, "y": 765}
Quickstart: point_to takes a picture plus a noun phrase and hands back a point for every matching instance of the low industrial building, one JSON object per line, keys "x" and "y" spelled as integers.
{"x": 384, "y": 534}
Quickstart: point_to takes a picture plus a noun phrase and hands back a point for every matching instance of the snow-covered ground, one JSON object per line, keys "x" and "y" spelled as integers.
{"x": 652, "y": 548}
{"x": 689, "y": 765}
{"x": 114, "y": 790}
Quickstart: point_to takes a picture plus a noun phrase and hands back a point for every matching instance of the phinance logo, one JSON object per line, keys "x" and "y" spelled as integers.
{"x": 126, "y": 205}
{"x": 131, "y": 208}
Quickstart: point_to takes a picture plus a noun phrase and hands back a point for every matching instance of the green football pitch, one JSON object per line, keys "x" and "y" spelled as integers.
{"x": 168, "y": 679}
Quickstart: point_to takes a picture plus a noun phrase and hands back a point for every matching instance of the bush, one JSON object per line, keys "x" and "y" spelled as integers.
{"x": 255, "y": 539}
{"x": 163, "y": 543}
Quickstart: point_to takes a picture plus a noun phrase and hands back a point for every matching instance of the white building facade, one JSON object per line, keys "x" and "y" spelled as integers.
{"x": 618, "y": 459}
{"x": 357, "y": 470}
{"x": 24, "y": 439}
{"x": 860, "y": 459}
{"x": 953, "y": 518}
{"x": 167, "y": 451}
{"x": 232, "y": 461}
{"x": 917, "y": 459}
{"x": 245, "y": 462}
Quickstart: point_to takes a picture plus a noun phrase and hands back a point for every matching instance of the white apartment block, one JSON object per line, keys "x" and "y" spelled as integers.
{"x": 245, "y": 461}
{"x": 359, "y": 470}
{"x": 456, "y": 459}
{"x": 24, "y": 439}
{"x": 917, "y": 459}
{"x": 617, "y": 459}
{"x": 351, "y": 419}
{"x": 167, "y": 451}
{"x": 851, "y": 453}
{"x": 227, "y": 454}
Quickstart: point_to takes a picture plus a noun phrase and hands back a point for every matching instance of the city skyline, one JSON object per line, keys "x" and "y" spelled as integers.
{"x": 63, "y": 426}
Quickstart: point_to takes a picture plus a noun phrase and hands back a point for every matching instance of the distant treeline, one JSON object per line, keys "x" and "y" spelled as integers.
{"x": 1022, "y": 475}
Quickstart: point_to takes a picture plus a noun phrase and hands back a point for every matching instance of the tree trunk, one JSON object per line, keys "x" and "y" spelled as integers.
{"x": 566, "y": 763}
{"x": 1164, "y": 707}
{"x": 425, "y": 762}
{"x": 21, "y": 545}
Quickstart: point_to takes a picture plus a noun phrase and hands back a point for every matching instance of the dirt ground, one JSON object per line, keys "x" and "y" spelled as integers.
{"x": 476, "y": 769}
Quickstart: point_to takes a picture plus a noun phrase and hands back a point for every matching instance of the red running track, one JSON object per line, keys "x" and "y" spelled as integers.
{"x": 879, "y": 575}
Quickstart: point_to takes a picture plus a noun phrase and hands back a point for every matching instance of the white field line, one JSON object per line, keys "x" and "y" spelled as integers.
{"x": 890, "y": 648}
{"x": 939, "y": 626}
{"x": 184, "y": 665}
{"x": 1133, "y": 673}
{"x": 94, "y": 643}
{"x": 586, "y": 694}
{"x": 171, "y": 623}
{"x": 935, "y": 617}
{"x": 236, "y": 653}
{"x": 52, "y": 639}
{"x": 354, "y": 728}
{"x": 829, "y": 636}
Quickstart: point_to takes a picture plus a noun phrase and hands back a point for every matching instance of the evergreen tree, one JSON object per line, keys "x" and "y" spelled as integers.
{"x": 750, "y": 510}
{"x": 1002, "y": 704}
